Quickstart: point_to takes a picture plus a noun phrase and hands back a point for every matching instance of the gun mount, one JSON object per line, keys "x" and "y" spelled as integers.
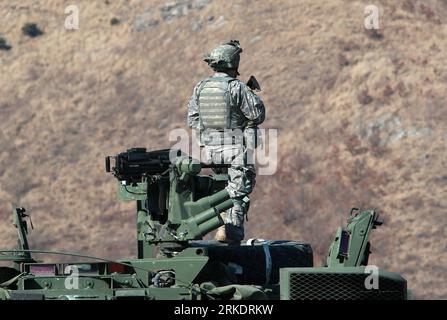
{"x": 174, "y": 203}
{"x": 176, "y": 206}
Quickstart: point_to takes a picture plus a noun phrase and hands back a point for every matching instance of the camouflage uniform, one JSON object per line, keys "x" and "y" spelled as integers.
{"x": 247, "y": 111}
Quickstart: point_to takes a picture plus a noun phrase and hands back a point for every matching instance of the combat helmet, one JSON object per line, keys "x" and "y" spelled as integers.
{"x": 225, "y": 56}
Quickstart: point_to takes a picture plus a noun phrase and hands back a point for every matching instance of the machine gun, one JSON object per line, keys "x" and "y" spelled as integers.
{"x": 174, "y": 203}
{"x": 133, "y": 165}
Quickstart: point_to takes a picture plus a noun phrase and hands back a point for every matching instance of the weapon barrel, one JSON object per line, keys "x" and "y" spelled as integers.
{"x": 210, "y": 225}
{"x": 210, "y": 219}
{"x": 131, "y": 166}
{"x": 214, "y": 199}
{"x": 212, "y": 212}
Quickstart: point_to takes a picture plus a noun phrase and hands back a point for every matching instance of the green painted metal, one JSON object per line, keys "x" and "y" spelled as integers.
{"x": 175, "y": 207}
{"x": 350, "y": 247}
{"x": 18, "y": 218}
{"x": 341, "y": 283}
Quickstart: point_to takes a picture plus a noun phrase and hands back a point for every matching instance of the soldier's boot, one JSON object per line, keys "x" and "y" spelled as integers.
{"x": 229, "y": 233}
{"x": 234, "y": 234}
{"x": 233, "y": 230}
{"x": 221, "y": 235}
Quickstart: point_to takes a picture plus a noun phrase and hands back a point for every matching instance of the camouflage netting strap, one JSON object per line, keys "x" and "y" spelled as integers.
{"x": 214, "y": 103}
{"x": 234, "y": 292}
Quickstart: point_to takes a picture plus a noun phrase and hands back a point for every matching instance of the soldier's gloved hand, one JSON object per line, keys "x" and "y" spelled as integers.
{"x": 251, "y": 124}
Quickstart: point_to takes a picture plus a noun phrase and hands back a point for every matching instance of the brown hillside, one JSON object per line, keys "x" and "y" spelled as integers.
{"x": 361, "y": 117}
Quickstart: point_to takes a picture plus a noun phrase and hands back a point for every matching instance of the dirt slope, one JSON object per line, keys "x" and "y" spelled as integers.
{"x": 361, "y": 117}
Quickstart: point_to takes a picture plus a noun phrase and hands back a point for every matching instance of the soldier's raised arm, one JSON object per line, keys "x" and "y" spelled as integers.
{"x": 249, "y": 103}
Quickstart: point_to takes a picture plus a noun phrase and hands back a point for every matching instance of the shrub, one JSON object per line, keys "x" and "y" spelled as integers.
{"x": 114, "y": 21}
{"x": 4, "y": 44}
{"x": 31, "y": 30}
{"x": 374, "y": 34}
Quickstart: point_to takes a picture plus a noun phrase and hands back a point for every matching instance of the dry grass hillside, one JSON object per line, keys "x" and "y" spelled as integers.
{"x": 361, "y": 117}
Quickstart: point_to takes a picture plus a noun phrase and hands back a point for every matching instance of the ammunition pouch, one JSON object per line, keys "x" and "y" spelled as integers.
{"x": 250, "y": 138}
{"x": 211, "y": 137}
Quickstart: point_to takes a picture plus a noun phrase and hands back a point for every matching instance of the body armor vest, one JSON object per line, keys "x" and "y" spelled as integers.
{"x": 215, "y": 108}
{"x": 219, "y": 117}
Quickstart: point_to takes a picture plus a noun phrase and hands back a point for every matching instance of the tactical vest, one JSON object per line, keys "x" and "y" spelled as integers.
{"x": 214, "y": 101}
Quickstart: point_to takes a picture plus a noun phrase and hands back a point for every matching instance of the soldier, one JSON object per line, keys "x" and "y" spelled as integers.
{"x": 224, "y": 113}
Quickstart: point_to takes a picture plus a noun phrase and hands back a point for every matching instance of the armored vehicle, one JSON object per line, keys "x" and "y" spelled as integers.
{"x": 178, "y": 202}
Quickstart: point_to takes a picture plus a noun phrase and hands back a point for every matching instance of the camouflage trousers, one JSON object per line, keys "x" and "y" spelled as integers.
{"x": 242, "y": 177}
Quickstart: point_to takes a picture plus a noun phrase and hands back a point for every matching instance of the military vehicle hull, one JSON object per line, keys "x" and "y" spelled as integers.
{"x": 176, "y": 207}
